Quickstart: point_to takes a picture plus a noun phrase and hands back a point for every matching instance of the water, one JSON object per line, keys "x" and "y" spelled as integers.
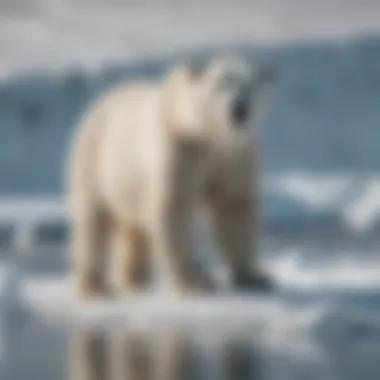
{"x": 322, "y": 321}
{"x": 339, "y": 346}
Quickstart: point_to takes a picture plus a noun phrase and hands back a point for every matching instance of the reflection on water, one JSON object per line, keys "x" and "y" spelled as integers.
{"x": 170, "y": 355}
{"x": 330, "y": 340}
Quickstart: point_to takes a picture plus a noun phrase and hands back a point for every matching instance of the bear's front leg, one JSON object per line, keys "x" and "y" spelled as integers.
{"x": 174, "y": 244}
{"x": 236, "y": 225}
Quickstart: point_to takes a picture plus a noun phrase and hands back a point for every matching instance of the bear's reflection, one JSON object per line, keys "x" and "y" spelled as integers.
{"x": 128, "y": 355}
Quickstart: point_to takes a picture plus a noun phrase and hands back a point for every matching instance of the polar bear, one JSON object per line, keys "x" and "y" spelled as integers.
{"x": 144, "y": 159}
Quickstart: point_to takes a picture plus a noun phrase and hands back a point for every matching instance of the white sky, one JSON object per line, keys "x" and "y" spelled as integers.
{"x": 52, "y": 33}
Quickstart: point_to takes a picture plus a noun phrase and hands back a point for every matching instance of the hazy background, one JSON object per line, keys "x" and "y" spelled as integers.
{"x": 56, "y": 56}
{"x": 321, "y": 150}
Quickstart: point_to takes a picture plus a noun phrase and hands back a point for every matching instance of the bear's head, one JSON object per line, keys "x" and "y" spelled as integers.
{"x": 217, "y": 100}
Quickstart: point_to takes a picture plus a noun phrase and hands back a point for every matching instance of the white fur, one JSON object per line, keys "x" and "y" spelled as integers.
{"x": 142, "y": 162}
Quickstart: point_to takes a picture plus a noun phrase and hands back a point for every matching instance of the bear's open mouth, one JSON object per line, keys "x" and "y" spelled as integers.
{"x": 240, "y": 112}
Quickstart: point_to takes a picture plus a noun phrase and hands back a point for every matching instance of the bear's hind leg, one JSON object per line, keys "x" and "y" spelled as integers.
{"x": 131, "y": 259}
{"x": 90, "y": 253}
